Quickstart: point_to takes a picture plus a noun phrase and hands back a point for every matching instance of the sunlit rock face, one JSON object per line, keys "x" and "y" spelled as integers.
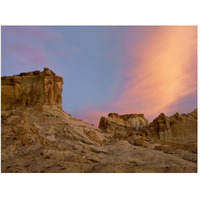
{"x": 31, "y": 89}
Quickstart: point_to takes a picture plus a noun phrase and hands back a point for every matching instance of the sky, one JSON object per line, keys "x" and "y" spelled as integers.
{"x": 123, "y": 69}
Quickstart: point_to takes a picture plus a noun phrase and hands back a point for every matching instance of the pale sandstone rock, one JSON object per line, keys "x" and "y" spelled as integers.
{"x": 135, "y": 121}
{"x": 123, "y": 126}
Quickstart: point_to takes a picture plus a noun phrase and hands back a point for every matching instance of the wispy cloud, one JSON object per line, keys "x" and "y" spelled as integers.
{"x": 162, "y": 70}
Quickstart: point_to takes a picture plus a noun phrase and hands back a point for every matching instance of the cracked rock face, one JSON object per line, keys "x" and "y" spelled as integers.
{"x": 31, "y": 89}
{"x": 179, "y": 128}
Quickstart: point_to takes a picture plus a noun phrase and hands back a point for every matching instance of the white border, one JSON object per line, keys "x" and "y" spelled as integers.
{"x": 99, "y": 186}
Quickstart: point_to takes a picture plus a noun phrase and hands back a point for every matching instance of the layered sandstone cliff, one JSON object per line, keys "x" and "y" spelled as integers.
{"x": 30, "y": 89}
{"x": 179, "y": 128}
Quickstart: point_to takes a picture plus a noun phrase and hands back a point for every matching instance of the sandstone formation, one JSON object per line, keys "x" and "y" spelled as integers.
{"x": 38, "y": 136}
{"x": 123, "y": 125}
{"x": 31, "y": 89}
{"x": 177, "y": 129}
{"x": 135, "y": 121}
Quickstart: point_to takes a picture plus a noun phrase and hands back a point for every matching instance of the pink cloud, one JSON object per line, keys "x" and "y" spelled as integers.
{"x": 163, "y": 69}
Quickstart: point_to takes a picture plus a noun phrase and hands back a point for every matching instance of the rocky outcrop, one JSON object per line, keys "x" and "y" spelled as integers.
{"x": 178, "y": 129}
{"x": 123, "y": 125}
{"x": 31, "y": 89}
{"x": 46, "y": 139}
{"x": 134, "y": 121}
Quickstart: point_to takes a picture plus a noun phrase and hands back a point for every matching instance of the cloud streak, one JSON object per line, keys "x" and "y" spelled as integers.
{"x": 162, "y": 70}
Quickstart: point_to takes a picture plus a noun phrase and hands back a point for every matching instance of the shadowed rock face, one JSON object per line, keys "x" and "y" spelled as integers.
{"x": 179, "y": 128}
{"x": 31, "y": 89}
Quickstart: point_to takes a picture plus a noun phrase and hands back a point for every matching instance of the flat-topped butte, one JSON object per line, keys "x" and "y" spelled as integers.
{"x": 31, "y": 89}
